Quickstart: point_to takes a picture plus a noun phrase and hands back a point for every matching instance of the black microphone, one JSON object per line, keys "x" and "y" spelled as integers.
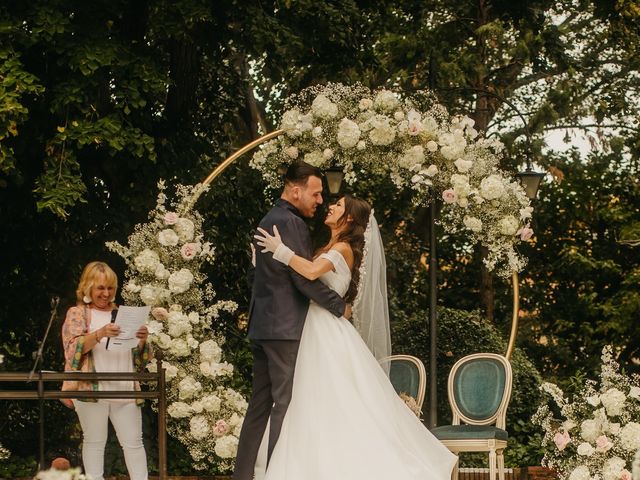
{"x": 114, "y": 314}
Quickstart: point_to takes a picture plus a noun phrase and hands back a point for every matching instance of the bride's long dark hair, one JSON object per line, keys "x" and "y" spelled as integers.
{"x": 358, "y": 210}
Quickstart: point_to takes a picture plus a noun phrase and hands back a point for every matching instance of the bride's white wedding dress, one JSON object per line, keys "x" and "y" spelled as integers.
{"x": 345, "y": 420}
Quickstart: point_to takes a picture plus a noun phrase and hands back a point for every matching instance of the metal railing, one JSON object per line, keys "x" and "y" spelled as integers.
{"x": 41, "y": 377}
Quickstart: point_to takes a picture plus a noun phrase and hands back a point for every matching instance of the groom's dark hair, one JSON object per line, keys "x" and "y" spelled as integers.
{"x": 299, "y": 172}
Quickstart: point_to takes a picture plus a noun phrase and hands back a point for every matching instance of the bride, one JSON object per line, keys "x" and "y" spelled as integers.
{"x": 345, "y": 420}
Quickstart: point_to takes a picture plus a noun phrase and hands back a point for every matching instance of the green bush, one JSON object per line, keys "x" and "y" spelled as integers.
{"x": 462, "y": 333}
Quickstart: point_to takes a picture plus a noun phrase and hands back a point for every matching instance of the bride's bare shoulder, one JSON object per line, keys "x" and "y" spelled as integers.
{"x": 345, "y": 250}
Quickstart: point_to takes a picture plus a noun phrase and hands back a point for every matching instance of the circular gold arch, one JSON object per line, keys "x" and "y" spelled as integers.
{"x": 250, "y": 146}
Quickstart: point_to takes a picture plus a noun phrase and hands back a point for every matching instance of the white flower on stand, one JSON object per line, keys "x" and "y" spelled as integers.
{"x": 613, "y": 468}
{"x": 211, "y": 403}
{"x": 585, "y": 449}
{"x": 153, "y": 295}
{"x": 188, "y": 387}
{"x": 590, "y": 430}
{"x": 184, "y": 229}
{"x": 348, "y": 133}
{"x": 613, "y": 401}
{"x": 322, "y": 107}
{"x": 179, "y": 410}
{"x": 580, "y": 473}
{"x": 168, "y": 238}
{"x": 509, "y": 225}
{"x": 210, "y": 351}
{"x": 180, "y": 281}
{"x": 630, "y": 437}
{"x": 472, "y": 223}
{"x": 386, "y": 101}
{"x": 199, "y": 427}
{"x": 492, "y": 187}
{"x": 147, "y": 261}
{"x": 227, "y": 446}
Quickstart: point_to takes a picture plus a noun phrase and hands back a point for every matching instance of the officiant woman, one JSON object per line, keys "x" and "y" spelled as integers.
{"x": 86, "y": 330}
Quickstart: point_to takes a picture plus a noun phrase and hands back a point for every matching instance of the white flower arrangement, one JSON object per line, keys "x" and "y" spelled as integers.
{"x": 416, "y": 143}
{"x": 164, "y": 260}
{"x": 598, "y": 433}
{"x": 55, "y": 474}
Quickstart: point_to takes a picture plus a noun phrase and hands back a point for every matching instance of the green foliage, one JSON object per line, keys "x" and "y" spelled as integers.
{"x": 462, "y": 333}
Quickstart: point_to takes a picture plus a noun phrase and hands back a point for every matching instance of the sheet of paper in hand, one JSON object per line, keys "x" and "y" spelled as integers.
{"x": 129, "y": 319}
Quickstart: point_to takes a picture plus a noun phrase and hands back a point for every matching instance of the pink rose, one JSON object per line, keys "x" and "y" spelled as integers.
{"x": 603, "y": 444}
{"x": 189, "y": 250}
{"x": 160, "y": 313}
{"x": 525, "y": 233}
{"x": 170, "y": 218}
{"x": 414, "y": 128}
{"x": 561, "y": 440}
{"x": 625, "y": 474}
{"x": 449, "y": 196}
{"x": 220, "y": 428}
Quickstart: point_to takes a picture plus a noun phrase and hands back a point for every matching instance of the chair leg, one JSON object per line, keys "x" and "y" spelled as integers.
{"x": 492, "y": 464}
{"x": 500, "y": 465}
{"x": 454, "y": 472}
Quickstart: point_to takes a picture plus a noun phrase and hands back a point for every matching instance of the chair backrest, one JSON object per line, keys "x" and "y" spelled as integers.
{"x": 407, "y": 375}
{"x": 480, "y": 389}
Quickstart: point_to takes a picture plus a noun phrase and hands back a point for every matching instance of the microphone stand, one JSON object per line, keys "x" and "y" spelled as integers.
{"x": 54, "y": 307}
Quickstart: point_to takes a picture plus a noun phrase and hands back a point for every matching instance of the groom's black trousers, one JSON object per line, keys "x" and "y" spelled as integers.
{"x": 273, "y": 368}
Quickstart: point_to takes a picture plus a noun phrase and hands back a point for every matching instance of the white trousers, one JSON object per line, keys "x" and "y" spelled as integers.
{"x": 127, "y": 422}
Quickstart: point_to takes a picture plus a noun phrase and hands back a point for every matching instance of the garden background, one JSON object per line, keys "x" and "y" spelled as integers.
{"x": 100, "y": 100}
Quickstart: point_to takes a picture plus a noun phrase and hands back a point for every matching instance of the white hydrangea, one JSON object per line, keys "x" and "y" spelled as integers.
{"x": 472, "y": 223}
{"x": 630, "y": 437}
{"x": 185, "y": 229}
{"x": 462, "y": 165}
{"x": 153, "y": 295}
{"x": 314, "y": 158}
{"x": 178, "y": 324}
{"x": 168, "y": 237}
{"x": 161, "y": 272}
{"x": 179, "y": 410}
{"x": 386, "y": 101}
{"x": 612, "y": 468}
{"x": 492, "y": 187}
{"x": 180, "y": 281}
{"x": 210, "y": 351}
{"x": 590, "y": 430}
{"x": 146, "y": 261}
{"x": 382, "y": 133}
{"x": 461, "y": 185}
{"x": 613, "y": 401}
{"x": 188, "y": 387}
{"x": 586, "y": 449}
{"x": 179, "y": 347}
{"x": 322, "y": 107}
{"x": 227, "y": 446}
{"x": 593, "y": 400}
{"x": 199, "y": 427}
{"x": 509, "y": 225}
{"x": 348, "y": 133}
{"x": 211, "y": 403}
{"x": 290, "y": 121}
{"x": 413, "y": 158}
{"x": 581, "y": 472}
{"x": 634, "y": 392}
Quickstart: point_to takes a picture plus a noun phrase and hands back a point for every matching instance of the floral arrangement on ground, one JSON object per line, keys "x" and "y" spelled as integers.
{"x": 164, "y": 260}
{"x": 415, "y": 142}
{"x": 598, "y": 430}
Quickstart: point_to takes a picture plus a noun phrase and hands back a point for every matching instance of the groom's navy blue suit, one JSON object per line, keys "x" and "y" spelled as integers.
{"x": 279, "y": 304}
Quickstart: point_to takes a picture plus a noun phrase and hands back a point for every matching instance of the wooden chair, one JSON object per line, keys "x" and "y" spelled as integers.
{"x": 479, "y": 392}
{"x": 407, "y": 375}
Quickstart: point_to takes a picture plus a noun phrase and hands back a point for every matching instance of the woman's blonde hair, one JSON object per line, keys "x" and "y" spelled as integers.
{"x": 87, "y": 280}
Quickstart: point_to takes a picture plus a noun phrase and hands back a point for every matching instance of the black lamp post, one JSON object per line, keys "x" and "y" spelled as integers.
{"x": 334, "y": 176}
{"x": 530, "y": 181}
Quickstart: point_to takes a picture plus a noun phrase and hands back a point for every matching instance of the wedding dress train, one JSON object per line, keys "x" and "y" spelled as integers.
{"x": 345, "y": 420}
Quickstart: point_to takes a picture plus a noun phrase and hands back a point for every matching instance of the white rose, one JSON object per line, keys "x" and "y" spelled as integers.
{"x": 168, "y": 237}
{"x": 188, "y": 387}
{"x": 199, "y": 428}
{"x": 179, "y": 410}
{"x": 185, "y": 229}
{"x": 386, "y": 101}
{"x": 322, "y": 107}
{"x": 462, "y": 165}
{"x": 226, "y": 447}
{"x": 472, "y": 223}
{"x": 161, "y": 272}
{"x": 492, "y": 187}
{"x": 613, "y": 401}
{"x": 180, "y": 281}
{"x": 634, "y": 392}
{"x": 432, "y": 146}
{"x": 580, "y": 473}
{"x": 178, "y": 324}
{"x": 210, "y": 351}
{"x": 348, "y": 133}
{"x": 593, "y": 400}
{"x": 585, "y": 449}
{"x": 509, "y": 225}
{"x": 146, "y": 261}
{"x": 630, "y": 437}
{"x": 163, "y": 340}
{"x": 154, "y": 327}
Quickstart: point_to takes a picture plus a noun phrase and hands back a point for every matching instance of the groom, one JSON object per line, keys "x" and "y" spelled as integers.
{"x": 279, "y": 303}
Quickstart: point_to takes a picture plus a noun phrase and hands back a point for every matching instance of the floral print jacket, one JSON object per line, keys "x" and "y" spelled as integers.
{"x": 74, "y": 330}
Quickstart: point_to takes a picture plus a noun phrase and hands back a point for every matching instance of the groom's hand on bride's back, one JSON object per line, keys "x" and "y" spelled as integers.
{"x": 347, "y": 312}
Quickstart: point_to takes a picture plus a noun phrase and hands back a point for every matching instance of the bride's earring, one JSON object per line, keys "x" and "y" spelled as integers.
{"x": 86, "y": 299}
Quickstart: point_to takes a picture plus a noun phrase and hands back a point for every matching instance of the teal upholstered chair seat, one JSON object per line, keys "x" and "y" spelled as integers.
{"x": 479, "y": 392}
{"x": 407, "y": 375}
{"x": 456, "y": 432}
